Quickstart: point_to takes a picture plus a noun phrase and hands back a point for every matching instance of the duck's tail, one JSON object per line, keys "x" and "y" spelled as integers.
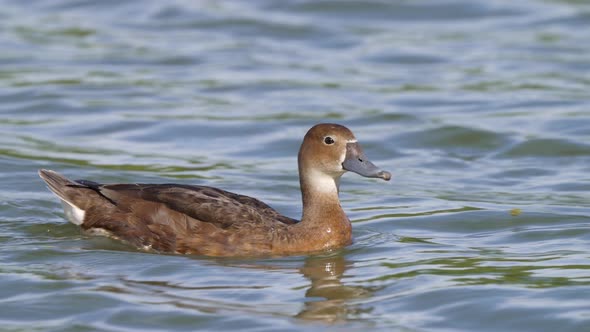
{"x": 68, "y": 192}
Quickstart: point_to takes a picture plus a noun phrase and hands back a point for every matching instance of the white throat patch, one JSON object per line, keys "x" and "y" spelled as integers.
{"x": 321, "y": 182}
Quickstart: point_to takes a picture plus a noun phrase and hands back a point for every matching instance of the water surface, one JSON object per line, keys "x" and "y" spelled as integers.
{"x": 480, "y": 109}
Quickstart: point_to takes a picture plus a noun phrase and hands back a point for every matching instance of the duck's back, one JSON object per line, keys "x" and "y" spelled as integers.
{"x": 207, "y": 204}
{"x": 171, "y": 217}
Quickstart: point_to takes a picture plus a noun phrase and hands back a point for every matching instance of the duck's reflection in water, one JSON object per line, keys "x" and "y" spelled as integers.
{"x": 329, "y": 299}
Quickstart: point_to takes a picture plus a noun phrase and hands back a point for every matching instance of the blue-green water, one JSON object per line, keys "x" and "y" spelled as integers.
{"x": 481, "y": 110}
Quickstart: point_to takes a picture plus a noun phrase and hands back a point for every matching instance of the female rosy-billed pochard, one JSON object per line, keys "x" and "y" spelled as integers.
{"x": 186, "y": 219}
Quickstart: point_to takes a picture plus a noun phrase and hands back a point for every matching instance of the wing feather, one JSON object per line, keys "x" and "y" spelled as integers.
{"x": 222, "y": 208}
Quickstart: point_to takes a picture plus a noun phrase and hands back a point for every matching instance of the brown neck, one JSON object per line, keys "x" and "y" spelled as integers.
{"x": 322, "y": 213}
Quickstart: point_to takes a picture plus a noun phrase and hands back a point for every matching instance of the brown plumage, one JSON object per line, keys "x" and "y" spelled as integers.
{"x": 204, "y": 220}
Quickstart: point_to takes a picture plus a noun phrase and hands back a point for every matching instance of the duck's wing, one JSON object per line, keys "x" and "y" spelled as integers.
{"x": 212, "y": 205}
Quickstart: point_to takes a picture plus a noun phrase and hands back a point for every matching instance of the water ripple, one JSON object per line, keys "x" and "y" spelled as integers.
{"x": 479, "y": 110}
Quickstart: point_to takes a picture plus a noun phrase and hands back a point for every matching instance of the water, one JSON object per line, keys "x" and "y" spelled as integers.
{"x": 480, "y": 109}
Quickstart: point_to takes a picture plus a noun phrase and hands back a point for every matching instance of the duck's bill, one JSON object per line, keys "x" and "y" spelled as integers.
{"x": 356, "y": 161}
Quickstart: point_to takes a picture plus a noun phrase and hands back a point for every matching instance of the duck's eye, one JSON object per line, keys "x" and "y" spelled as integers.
{"x": 329, "y": 140}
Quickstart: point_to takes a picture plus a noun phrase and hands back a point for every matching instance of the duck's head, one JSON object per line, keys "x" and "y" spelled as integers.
{"x": 329, "y": 150}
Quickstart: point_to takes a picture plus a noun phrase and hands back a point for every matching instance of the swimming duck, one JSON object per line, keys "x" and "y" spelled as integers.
{"x": 201, "y": 220}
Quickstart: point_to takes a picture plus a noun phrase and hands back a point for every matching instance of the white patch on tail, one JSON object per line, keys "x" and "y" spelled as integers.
{"x": 74, "y": 214}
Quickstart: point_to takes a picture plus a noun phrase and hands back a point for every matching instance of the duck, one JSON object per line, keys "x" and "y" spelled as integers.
{"x": 208, "y": 221}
